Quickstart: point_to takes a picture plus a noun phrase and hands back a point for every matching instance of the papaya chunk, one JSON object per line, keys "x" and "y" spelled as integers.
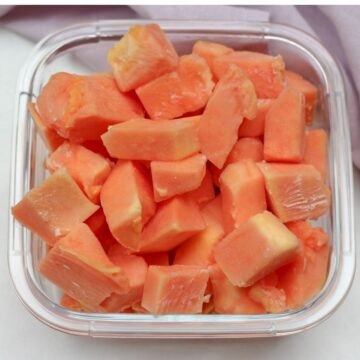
{"x": 295, "y": 191}
{"x": 230, "y": 299}
{"x": 218, "y": 129}
{"x": 316, "y": 150}
{"x": 304, "y": 277}
{"x": 81, "y": 108}
{"x": 265, "y": 71}
{"x": 247, "y": 148}
{"x": 50, "y": 137}
{"x": 87, "y": 168}
{"x": 128, "y": 203}
{"x": 152, "y": 140}
{"x": 78, "y": 265}
{"x": 54, "y": 207}
{"x": 296, "y": 81}
{"x": 302, "y": 229}
{"x": 176, "y": 220}
{"x": 270, "y": 297}
{"x": 98, "y": 225}
{"x": 244, "y": 149}
{"x": 284, "y": 136}
{"x": 317, "y": 239}
{"x": 205, "y": 192}
{"x": 314, "y": 238}
{"x": 255, "y": 249}
{"x": 195, "y": 119}
{"x": 172, "y": 178}
{"x": 184, "y": 90}
{"x": 210, "y": 50}
{"x": 198, "y": 250}
{"x": 141, "y": 55}
{"x": 54, "y": 98}
{"x": 176, "y": 289}
{"x": 243, "y": 193}
{"x": 135, "y": 269}
{"x": 69, "y": 303}
{"x": 255, "y": 127}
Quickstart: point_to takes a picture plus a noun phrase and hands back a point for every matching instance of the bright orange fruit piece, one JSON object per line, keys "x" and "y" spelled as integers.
{"x": 195, "y": 119}
{"x": 205, "y": 192}
{"x": 314, "y": 238}
{"x": 233, "y": 99}
{"x": 304, "y": 277}
{"x": 54, "y": 98}
{"x": 54, "y": 207}
{"x": 98, "y": 225}
{"x": 176, "y": 220}
{"x": 247, "y": 148}
{"x": 317, "y": 239}
{"x": 87, "y": 168}
{"x": 270, "y": 297}
{"x": 81, "y": 108}
{"x": 135, "y": 269}
{"x": 243, "y": 193}
{"x": 68, "y": 302}
{"x": 295, "y": 191}
{"x": 284, "y": 136}
{"x": 176, "y": 289}
{"x": 198, "y": 250}
{"x": 78, "y": 265}
{"x": 255, "y": 249}
{"x": 184, "y": 90}
{"x": 210, "y": 50}
{"x": 152, "y": 140}
{"x": 141, "y": 55}
{"x": 316, "y": 150}
{"x": 128, "y": 203}
{"x": 302, "y": 229}
{"x": 230, "y": 299}
{"x": 255, "y": 127}
{"x": 244, "y": 149}
{"x": 265, "y": 71}
{"x": 296, "y": 81}
{"x": 49, "y": 135}
{"x": 172, "y": 178}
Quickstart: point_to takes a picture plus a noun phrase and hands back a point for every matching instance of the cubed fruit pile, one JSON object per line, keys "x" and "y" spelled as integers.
{"x": 181, "y": 184}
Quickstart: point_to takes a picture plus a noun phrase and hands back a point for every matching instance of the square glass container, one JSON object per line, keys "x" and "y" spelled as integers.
{"x": 82, "y": 49}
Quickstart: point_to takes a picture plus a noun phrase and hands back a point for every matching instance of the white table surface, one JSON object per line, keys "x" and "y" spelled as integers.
{"x": 24, "y": 337}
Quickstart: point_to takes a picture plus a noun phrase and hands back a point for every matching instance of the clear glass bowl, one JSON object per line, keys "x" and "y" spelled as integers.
{"x": 89, "y": 42}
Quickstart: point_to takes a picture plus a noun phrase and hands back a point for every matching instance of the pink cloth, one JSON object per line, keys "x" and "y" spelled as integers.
{"x": 333, "y": 25}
